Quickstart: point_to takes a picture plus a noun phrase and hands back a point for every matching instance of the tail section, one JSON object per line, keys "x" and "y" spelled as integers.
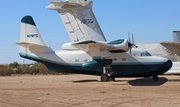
{"x": 31, "y": 42}
{"x": 78, "y": 19}
{"x": 173, "y": 47}
{"x": 176, "y": 36}
{"x": 29, "y": 33}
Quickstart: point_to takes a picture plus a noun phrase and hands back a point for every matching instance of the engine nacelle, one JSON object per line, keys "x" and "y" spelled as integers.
{"x": 122, "y": 45}
{"x": 68, "y": 46}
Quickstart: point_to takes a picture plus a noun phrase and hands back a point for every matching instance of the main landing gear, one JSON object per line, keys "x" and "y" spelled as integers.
{"x": 105, "y": 78}
{"x": 107, "y": 74}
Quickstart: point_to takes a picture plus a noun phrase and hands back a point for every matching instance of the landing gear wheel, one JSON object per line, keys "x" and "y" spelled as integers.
{"x": 155, "y": 78}
{"x": 104, "y": 78}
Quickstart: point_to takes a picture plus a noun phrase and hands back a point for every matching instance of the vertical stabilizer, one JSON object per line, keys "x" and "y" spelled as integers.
{"x": 78, "y": 19}
{"x": 29, "y": 37}
{"x": 176, "y": 36}
{"x": 29, "y": 32}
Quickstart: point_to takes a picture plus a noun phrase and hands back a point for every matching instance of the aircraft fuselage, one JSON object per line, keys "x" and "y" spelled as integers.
{"x": 123, "y": 65}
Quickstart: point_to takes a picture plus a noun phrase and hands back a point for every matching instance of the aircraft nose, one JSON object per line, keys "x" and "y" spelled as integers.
{"x": 168, "y": 64}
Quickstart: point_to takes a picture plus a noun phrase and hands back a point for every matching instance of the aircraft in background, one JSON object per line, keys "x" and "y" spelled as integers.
{"x": 173, "y": 47}
{"x": 169, "y": 50}
{"x": 88, "y": 52}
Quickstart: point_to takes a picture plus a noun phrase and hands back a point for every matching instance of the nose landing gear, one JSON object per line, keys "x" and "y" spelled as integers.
{"x": 155, "y": 78}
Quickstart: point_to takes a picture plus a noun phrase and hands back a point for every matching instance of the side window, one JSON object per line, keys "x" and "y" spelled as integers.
{"x": 76, "y": 60}
{"x": 114, "y": 59}
{"x": 85, "y": 60}
{"x": 123, "y": 59}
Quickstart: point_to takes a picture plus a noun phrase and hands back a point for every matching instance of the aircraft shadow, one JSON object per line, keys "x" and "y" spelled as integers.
{"x": 148, "y": 82}
{"x": 83, "y": 81}
{"x": 136, "y": 82}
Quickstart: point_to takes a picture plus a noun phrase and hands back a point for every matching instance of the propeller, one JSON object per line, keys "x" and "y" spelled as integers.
{"x": 131, "y": 44}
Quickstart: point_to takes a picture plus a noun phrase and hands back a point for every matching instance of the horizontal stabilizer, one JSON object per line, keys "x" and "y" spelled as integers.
{"x": 30, "y": 45}
{"x": 37, "y": 47}
{"x": 174, "y": 47}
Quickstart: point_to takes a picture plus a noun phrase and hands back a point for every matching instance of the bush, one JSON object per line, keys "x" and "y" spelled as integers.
{"x": 14, "y": 65}
{"x": 35, "y": 68}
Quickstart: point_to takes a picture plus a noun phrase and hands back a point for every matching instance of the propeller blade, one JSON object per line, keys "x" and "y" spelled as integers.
{"x": 129, "y": 37}
{"x": 133, "y": 40}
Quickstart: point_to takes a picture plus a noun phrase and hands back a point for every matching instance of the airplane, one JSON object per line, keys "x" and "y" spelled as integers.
{"x": 173, "y": 46}
{"x": 169, "y": 50}
{"x": 88, "y": 52}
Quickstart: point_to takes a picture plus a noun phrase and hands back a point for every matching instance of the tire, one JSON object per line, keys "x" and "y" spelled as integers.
{"x": 104, "y": 78}
{"x": 155, "y": 78}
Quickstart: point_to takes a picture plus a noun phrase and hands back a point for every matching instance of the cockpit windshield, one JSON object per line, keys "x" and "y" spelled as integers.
{"x": 145, "y": 54}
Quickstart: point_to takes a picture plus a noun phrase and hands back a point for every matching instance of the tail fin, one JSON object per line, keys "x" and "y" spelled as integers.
{"x": 176, "y": 36}
{"x": 30, "y": 39}
{"x": 78, "y": 19}
{"x": 29, "y": 33}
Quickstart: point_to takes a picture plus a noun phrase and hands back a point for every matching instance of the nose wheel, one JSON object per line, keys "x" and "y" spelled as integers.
{"x": 155, "y": 78}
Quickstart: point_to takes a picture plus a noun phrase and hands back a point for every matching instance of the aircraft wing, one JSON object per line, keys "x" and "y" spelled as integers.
{"x": 63, "y": 4}
{"x": 121, "y": 44}
{"x": 83, "y": 45}
{"x": 95, "y": 49}
{"x": 99, "y": 48}
{"x": 78, "y": 19}
{"x": 174, "y": 47}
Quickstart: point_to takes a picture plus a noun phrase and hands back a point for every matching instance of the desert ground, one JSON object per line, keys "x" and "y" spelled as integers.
{"x": 87, "y": 91}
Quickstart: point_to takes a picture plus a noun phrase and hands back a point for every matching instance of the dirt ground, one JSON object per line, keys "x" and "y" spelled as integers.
{"x": 88, "y": 91}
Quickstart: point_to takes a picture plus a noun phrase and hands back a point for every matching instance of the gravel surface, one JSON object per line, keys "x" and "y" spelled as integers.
{"x": 88, "y": 91}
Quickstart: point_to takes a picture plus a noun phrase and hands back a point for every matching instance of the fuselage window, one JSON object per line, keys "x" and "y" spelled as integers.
{"x": 123, "y": 59}
{"x": 114, "y": 59}
{"x": 85, "y": 60}
{"x": 77, "y": 60}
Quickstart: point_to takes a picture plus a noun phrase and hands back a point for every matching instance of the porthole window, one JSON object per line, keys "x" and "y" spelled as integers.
{"x": 85, "y": 60}
{"x": 123, "y": 59}
{"x": 77, "y": 60}
{"x": 114, "y": 59}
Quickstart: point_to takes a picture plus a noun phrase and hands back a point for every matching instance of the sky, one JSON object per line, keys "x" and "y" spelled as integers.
{"x": 150, "y": 21}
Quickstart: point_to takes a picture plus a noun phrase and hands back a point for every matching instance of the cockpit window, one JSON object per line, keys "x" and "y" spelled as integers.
{"x": 145, "y": 54}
